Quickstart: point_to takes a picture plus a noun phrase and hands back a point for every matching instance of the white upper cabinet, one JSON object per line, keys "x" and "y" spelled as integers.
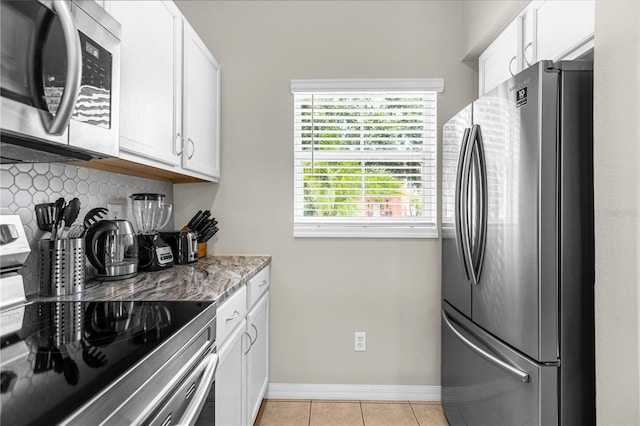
{"x": 201, "y": 107}
{"x": 551, "y": 29}
{"x": 499, "y": 61}
{"x": 170, "y": 96}
{"x": 558, "y": 29}
{"x": 150, "y": 119}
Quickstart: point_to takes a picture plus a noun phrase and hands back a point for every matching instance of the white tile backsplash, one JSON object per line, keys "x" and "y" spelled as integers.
{"x": 22, "y": 186}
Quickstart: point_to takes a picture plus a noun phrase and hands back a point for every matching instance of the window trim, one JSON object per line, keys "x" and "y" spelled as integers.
{"x": 316, "y": 226}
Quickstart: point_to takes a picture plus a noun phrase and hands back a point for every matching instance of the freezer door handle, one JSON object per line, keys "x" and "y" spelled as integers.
{"x": 509, "y": 369}
{"x": 460, "y": 203}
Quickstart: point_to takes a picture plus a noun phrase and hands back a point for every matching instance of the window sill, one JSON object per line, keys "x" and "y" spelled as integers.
{"x": 363, "y": 231}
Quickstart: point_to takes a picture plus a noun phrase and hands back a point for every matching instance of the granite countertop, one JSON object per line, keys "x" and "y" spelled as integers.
{"x": 210, "y": 278}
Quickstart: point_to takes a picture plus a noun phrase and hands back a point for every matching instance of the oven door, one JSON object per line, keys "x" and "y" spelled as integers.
{"x": 59, "y": 68}
{"x": 185, "y": 405}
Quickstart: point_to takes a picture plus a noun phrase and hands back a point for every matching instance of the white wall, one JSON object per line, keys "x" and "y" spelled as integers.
{"x": 616, "y": 137}
{"x": 323, "y": 290}
{"x": 483, "y": 20}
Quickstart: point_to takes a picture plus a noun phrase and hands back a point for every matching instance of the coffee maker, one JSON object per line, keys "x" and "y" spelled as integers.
{"x": 150, "y": 214}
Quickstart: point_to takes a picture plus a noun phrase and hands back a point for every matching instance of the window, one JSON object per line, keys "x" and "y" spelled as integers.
{"x": 365, "y": 158}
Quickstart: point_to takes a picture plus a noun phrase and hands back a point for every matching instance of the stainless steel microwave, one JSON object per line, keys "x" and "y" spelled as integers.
{"x": 59, "y": 81}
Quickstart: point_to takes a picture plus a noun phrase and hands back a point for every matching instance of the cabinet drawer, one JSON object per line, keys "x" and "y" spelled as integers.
{"x": 258, "y": 285}
{"x": 230, "y": 314}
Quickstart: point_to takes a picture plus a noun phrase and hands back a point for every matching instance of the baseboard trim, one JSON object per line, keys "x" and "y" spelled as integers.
{"x": 353, "y": 392}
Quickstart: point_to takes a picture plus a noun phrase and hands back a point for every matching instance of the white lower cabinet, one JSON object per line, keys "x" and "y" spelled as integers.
{"x": 242, "y": 334}
{"x": 230, "y": 379}
{"x": 257, "y": 356}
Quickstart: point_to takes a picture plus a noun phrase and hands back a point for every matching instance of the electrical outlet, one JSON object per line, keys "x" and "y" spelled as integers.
{"x": 361, "y": 341}
{"x": 116, "y": 211}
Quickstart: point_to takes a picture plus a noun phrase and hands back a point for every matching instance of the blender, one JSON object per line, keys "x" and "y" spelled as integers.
{"x": 151, "y": 213}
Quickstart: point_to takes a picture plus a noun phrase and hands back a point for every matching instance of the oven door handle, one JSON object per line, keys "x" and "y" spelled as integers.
{"x": 74, "y": 69}
{"x": 193, "y": 410}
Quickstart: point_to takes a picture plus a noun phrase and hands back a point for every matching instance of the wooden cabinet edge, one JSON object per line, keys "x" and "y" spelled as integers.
{"x": 131, "y": 168}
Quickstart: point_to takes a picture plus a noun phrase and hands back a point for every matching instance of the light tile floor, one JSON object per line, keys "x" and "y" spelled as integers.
{"x": 277, "y": 412}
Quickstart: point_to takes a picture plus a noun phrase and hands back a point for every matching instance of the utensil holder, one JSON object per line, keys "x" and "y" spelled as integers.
{"x": 62, "y": 267}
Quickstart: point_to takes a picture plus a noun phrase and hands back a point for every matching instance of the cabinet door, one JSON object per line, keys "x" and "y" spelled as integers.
{"x": 561, "y": 29}
{"x": 230, "y": 390}
{"x": 499, "y": 61}
{"x": 201, "y": 107}
{"x": 257, "y": 356}
{"x": 150, "y": 78}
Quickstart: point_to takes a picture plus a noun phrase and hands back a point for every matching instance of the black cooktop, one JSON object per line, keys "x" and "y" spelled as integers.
{"x": 56, "y": 356}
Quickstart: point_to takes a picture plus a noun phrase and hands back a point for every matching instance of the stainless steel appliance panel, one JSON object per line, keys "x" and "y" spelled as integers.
{"x": 577, "y": 275}
{"x": 487, "y": 383}
{"x": 94, "y": 124}
{"x": 59, "y": 81}
{"x": 455, "y": 285}
{"x": 518, "y": 276}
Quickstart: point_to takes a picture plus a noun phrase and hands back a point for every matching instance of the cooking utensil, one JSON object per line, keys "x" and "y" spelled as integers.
{"x": 76, "y": 231}
{"x": 92, "y": 356}
{"x": 59, "y": 206}
{"x": 46, "y": 214}
{"x": 44, "y": 360}
{"x": 71, "y": 211}
{"x": 94, "y": 216}
{"x": 69, "y": 367}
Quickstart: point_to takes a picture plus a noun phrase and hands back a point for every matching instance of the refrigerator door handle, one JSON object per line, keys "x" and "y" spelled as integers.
{"x": 482, "y": 204}
{"x": 465, "y": 225}
{"x": 460, "y": 214}
{"x": 523, "y": 376}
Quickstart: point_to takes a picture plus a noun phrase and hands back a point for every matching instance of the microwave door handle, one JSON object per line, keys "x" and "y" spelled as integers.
{"x": 74, "y": 69}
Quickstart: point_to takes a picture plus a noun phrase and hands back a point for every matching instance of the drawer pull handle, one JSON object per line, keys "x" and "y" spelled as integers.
{"x": 167, "y": 421}
{"x": 264, "y": 282}
{"x": 235, "y": 315}
{"x": 190, "y": 391}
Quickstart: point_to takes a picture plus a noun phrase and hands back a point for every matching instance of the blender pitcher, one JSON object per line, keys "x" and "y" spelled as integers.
{"x": 150, "y": 214}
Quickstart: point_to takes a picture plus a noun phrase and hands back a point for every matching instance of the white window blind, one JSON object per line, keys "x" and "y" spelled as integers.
{"x": 365, "y": 158}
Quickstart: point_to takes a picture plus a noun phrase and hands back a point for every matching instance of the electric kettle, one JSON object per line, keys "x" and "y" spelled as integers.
{"x": 112, "y": 248}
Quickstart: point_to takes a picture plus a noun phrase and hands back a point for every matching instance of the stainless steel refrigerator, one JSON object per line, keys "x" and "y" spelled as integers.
{"x": 518, "y": 252}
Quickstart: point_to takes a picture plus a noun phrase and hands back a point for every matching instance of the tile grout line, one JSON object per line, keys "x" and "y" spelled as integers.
{"x": 362, "y": 413}
{"x": 414, "y": 413}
